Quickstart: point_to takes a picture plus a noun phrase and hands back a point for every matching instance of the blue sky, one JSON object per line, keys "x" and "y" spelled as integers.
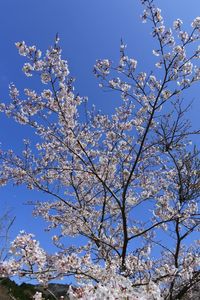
{"x": 89, "y": 30}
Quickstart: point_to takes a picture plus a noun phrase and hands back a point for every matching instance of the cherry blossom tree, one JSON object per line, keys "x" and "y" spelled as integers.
{"x": 127, "y": 184}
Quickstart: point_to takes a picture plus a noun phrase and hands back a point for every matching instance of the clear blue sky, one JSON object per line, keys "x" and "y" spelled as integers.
{"x": 89, "y": 29}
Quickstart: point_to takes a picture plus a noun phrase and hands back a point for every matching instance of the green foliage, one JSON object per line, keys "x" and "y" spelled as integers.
{"x": 22, "y": 292}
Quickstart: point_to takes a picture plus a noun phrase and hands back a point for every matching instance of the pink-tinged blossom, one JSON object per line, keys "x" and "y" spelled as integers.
{"x": 177, "y": 24}
{"x": 196, "y": 23}
{"x": 38, "y": 296}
